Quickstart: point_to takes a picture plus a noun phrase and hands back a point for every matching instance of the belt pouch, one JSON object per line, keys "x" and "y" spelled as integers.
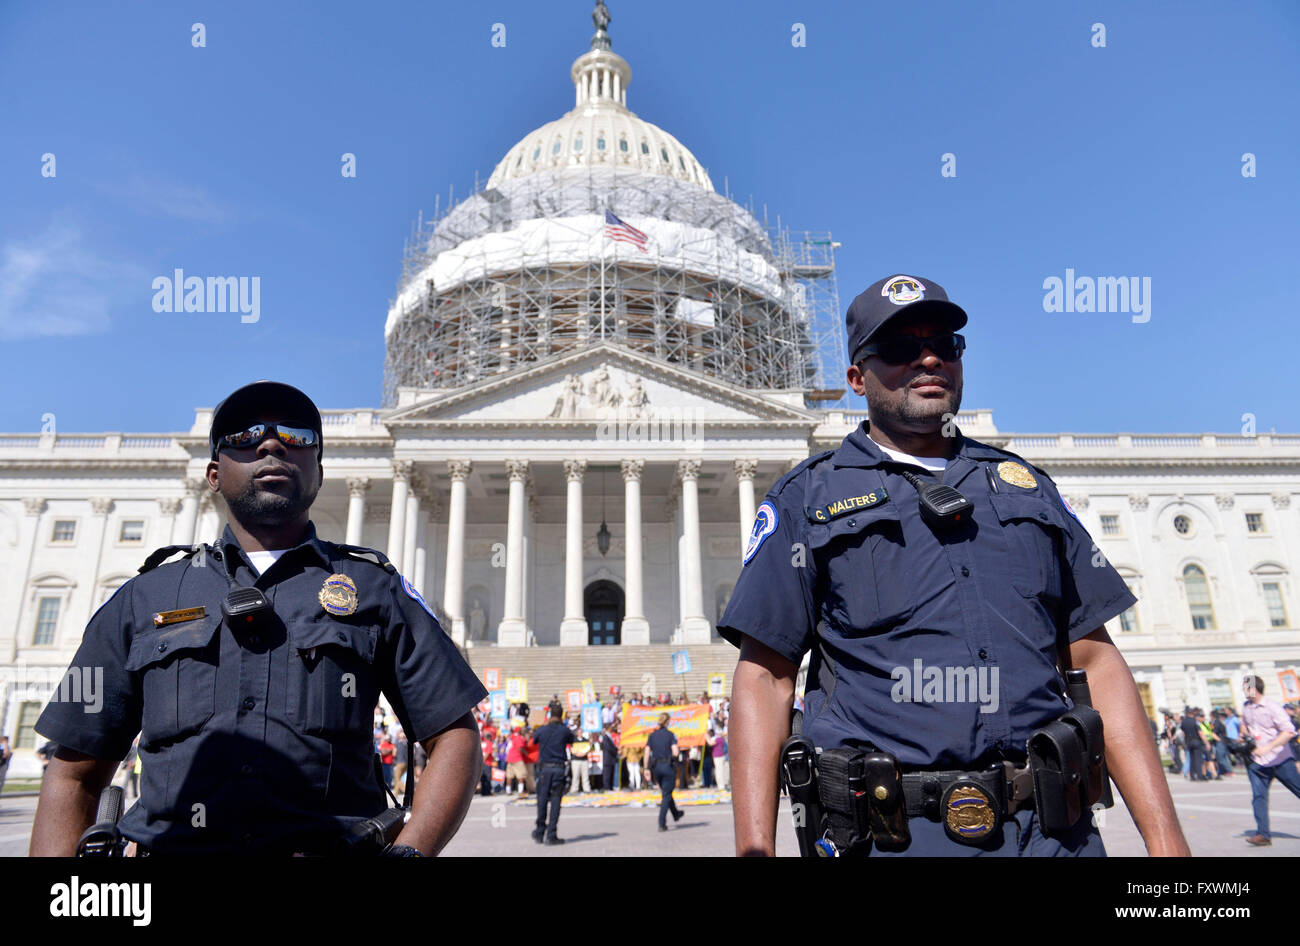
{"x": 1086, "y": 723}
{"x": 1057, "y": 763}
{"x": 886, "y": 806}
{"x": 840, "y": 784}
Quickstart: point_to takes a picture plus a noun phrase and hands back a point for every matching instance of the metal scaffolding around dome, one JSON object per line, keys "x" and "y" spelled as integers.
{"x": 516, "y": 274}
{"x": 523, "y": 269}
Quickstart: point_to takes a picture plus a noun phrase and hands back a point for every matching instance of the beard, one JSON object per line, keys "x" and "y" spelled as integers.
{"x": 257, "y": 506}
{"x": 915, "y": 410}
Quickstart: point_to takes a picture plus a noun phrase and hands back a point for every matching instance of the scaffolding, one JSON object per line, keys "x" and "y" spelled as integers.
{"x": 522, "y": 272}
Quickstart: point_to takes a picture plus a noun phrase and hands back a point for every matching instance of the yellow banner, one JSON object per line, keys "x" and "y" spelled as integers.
{"x": 689, "y": 722}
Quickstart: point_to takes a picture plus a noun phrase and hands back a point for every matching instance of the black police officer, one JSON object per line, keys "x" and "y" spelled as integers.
{"x": 551, "y": 740}
{"x": 891, "y": 600}
{"x": 256, "y": 727}
{"x": 663, "y": 753}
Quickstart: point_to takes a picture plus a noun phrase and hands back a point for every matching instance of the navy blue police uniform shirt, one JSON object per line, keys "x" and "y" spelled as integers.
{"x": 841, "y": 563}
{"x": 260, "y": 741}
{"x": 661, "y": 744}
{"x": 551, "y": 740}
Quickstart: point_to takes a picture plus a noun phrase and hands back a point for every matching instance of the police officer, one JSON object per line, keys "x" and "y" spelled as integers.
{"x": 934, "y": 632}
{"x": 255, "y": 721}
{"x": 551, "y": 740}
{"x": 664, "y": 752}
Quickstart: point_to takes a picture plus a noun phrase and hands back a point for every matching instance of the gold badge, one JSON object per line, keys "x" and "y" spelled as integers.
{"x": 163, "y": 618}
{"x": 970, "y": 816}
{"x": 1016, "y": 475}
{"x": 338, "y": 595}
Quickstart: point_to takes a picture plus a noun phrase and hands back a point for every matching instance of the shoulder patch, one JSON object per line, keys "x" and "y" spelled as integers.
{"x": 765, "y": 520}
{"x": 1070, "y": 510}
{"x": 412, "y": 593}
{"x": 846, "y": 505}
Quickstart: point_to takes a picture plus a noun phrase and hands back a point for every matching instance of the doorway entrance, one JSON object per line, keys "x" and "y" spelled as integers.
{"x": 603, "y": 606}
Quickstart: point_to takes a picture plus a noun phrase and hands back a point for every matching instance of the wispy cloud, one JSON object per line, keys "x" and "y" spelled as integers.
{"x": 55, "y": 285}
{"x": 162, "y": 198}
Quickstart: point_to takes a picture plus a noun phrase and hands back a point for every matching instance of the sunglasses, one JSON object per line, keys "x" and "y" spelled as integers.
{"x": 288, "y": 435}
{"x": 905, "y": 349}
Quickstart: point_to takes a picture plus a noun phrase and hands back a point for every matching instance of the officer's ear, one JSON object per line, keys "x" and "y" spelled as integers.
{"x": 212, "y": 476}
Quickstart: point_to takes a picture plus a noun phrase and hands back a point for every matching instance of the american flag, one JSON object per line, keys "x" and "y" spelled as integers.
{"x": 616, "y": 229}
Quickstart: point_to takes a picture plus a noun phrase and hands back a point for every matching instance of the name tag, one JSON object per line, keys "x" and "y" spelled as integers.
{"x": 842, "y": 507}
{"x": 163, "y": 618}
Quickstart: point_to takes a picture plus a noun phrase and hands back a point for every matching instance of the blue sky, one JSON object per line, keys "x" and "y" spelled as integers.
{"x": 1117, "y": 161}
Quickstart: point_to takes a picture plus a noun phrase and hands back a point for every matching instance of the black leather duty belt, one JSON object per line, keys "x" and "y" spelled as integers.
{"x": 970, "y": 804}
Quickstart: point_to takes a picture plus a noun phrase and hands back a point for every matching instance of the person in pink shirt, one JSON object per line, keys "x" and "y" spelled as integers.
{"x": 1272, "y": 730}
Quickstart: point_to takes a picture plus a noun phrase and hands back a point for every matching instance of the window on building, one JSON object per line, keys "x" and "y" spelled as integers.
{"x": 1198, "y": 598}
{"x": 1182, "y": 525}
{"x": 65, "y": 530}
{"x": 132, "y": 531}
{"x": 28, "y": 713}
{"x": 681, "y": 164}
{"x": 645, "y": 148}
{"x": 622, "y": 144}
{"x": 1254, "y": 522}
{"x": 1128, "y": 620}
{"x": 577, "y": 144}
{"x": 600, "y": 143}
{"x": 1110, "y": 525}
{"x": 1276, "y": 609}
{"x": 555, "y": 148}
{"x": 663, "y": 153}
{"x": 47, "y": 619}
{"x": 520, "y": 161}
{"x": 537, "y": 152}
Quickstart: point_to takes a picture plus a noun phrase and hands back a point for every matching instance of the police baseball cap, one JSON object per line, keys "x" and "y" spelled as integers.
{"x": 887, "y": 299}
{"x": 241, "y": 408}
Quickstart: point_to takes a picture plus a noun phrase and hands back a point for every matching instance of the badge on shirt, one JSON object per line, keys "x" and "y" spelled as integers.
{"x": 842, "y": 507}
{"x": 338, "y": 595}
{"x": 163, "y": 618}
{"x": 1016, "y": 475}
{"x": 411, "y": 592}
{"x": 765, "y": 520}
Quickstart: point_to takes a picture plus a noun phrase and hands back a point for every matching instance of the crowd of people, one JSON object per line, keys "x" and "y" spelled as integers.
{"x": 598, "y": 760}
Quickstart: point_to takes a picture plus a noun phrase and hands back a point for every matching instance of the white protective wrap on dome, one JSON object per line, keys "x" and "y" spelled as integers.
{"x": 581, "y": 240}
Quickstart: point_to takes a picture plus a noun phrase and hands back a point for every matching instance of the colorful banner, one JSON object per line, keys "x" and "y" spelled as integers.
{"x": 615, "y": 689}
{"x": 517, "y": 689}
{"x": 573, "y": 700}
{"x": 492, "y": 678}
{"x": 591, "y": 717}
{"x": 1290, "y": 682}
{"x": 717, "y": 684}
{"x": 588, "y": 691}
{"x": 689, "y": 722}
{"x": 681, "y": 662}
{"x": 498, "y": 700}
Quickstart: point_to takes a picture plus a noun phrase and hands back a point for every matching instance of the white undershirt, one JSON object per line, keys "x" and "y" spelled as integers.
{"x": 933, "y": 464}
{"x": 264, "y": 560}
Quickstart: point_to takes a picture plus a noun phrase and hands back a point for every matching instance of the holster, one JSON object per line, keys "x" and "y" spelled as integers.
{"x": 1058, "y": 764}
{"x": 1086, "y": 723}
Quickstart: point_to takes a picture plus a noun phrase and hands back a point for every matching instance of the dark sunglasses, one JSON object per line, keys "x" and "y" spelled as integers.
{"x": 905, "y": 349}
{"x": 288, "y": 435}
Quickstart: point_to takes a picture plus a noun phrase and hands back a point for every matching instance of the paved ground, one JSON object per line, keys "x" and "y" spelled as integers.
{"x": 1216, "y": 817}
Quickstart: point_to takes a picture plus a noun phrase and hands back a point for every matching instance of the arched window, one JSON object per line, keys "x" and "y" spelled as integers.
{"x": 645, "y": 148}
{"x": 1198, "y": 598}
{"x": 537, "y": 152}
{"x": 600, "y": 141}
{"x": 555, "y": 148}
{"x": 622, "y": 144}
{"x": 577, "y": 144}
{"x": 663, "y": 153}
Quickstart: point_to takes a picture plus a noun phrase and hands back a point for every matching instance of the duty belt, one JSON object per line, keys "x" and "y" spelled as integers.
{"x": 961, "y": 798}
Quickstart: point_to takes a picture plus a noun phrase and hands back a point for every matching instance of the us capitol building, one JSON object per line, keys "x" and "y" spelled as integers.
{"x": 578, "y": 413}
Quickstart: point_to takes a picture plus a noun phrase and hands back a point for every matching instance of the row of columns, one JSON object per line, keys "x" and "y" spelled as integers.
{"x": 406, "y": 545}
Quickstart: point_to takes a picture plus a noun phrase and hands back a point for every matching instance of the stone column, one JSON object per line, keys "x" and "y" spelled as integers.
{"x": 636, "y": 629}
{"x": 100, "y": 508}
{"x": 421, "y": 559}
{"x": 358, "y": 486}
{"x": 209, "y": 527}
{"x": 512, "y": 632}
{"x": 454, "y": 587}
{"x": 410, "y": 536}
{"x": 696, "y": 628}
{"x": 573, "y": 629}
{"x": 397, "y": 516}
{"x": 28, "y": 531}
{"x": 745, "y": 470}
{"x": 183, "y": 533}
{"x": 169, "y": 508}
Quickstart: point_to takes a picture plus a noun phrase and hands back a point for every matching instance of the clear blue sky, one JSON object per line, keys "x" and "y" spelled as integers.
{"x": 1116, "y": 161}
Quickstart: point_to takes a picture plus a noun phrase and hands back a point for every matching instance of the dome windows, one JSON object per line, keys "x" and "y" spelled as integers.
{"x": 663, "y": 153}
{"x": 645, "y": 148}
{"x": 537, "y": 152}
{"x": 577, "y": 144}
{"x": 622, "y": 143}
{"x": 681, "y": 164}
{"x": 555, "y": 148}
{"x": 600, "y": 141}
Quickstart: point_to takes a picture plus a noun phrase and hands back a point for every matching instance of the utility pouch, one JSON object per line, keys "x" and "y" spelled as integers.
{"x": 842, "y": 785}
{"x": 1086, "y": 723}
{"x": 1056, "y": 760}
{"x": 887, "y": 806}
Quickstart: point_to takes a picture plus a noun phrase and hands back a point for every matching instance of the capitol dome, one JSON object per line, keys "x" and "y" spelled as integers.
{"x": 601, "y": 131}
{"x": 600, "y": 227}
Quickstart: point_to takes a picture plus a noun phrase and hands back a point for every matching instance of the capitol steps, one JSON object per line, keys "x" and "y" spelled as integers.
{"x": 551, "y": 670}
